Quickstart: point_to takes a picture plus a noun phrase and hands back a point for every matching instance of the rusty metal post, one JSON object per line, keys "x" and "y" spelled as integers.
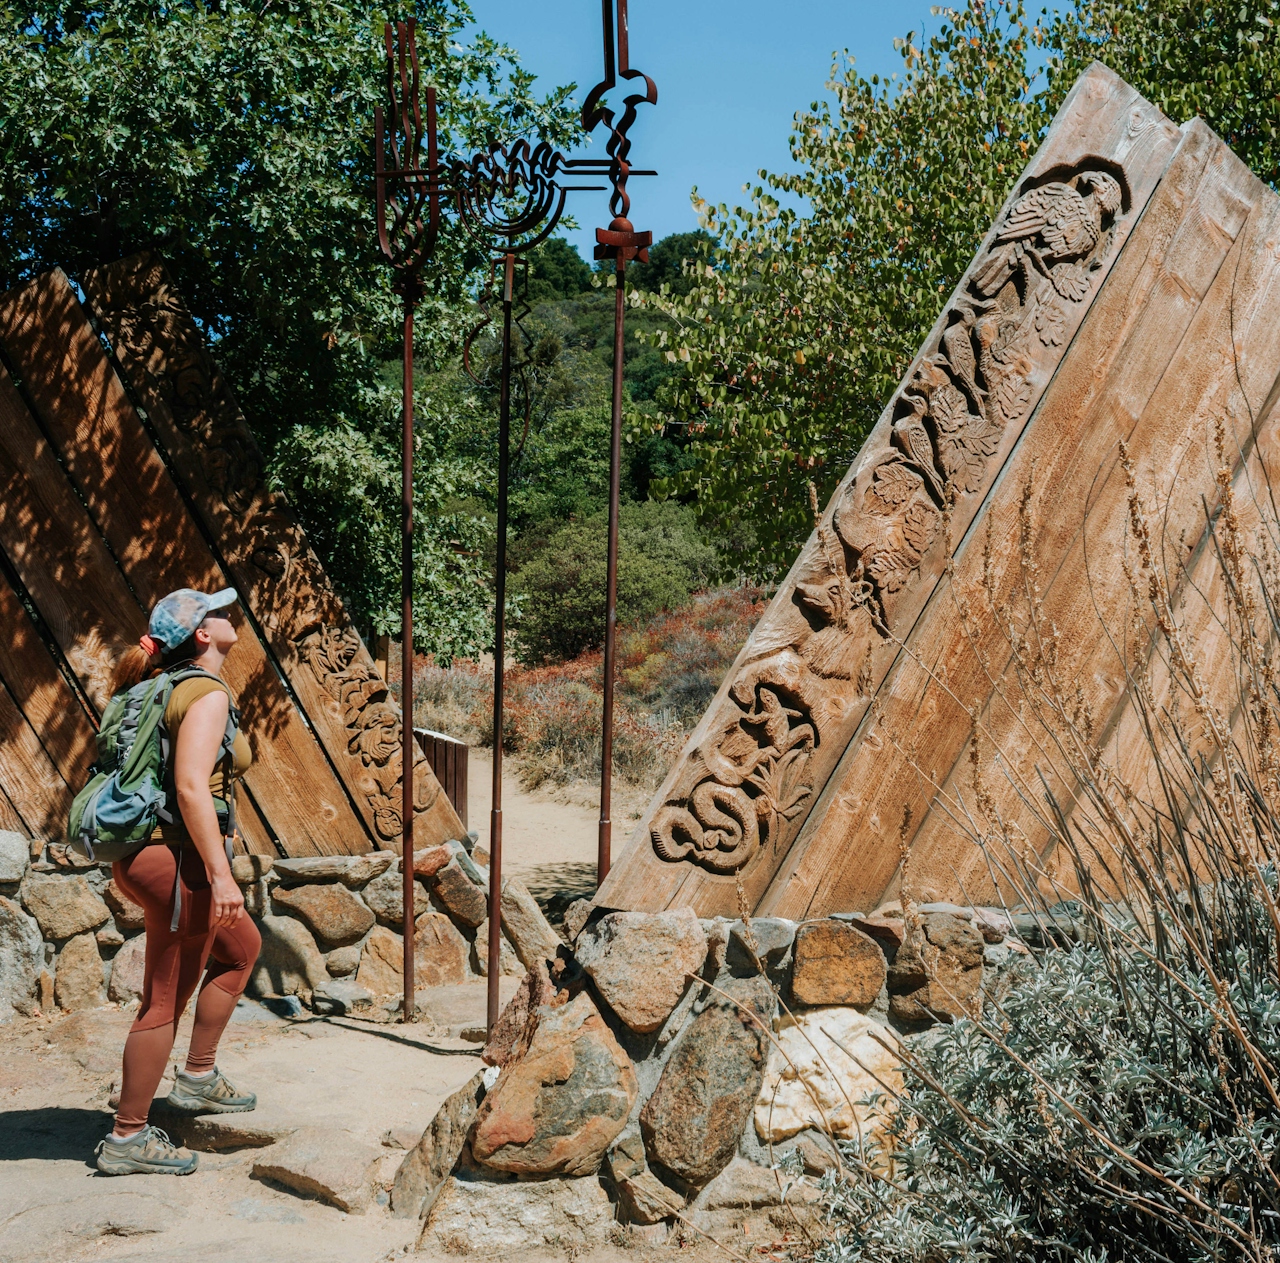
{"x": 404, "y": 191}
{"x": 619, "y": 242}
{"x": 500, "y": 645}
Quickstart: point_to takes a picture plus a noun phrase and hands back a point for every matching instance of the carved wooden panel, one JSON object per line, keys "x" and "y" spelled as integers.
{"x": 137, "y": 509}
{"x": 757, "y": 774}
{"x": 263, "y": 548}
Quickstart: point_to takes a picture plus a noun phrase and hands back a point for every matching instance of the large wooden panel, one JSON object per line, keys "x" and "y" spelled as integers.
{"x": 1146, "y": 329}
{"x": 805, "y": 682}
{"x": 138, "y": 510}
{"x": 70, "y": 574}
{"x": 263, "y": 548}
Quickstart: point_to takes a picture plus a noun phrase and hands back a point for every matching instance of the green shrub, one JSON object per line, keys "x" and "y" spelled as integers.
{"x": 561, "y": 589}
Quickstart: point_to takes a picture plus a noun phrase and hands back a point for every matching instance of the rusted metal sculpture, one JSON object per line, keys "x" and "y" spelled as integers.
{"x": 408, "y": 211}
{"x": 621, "y": 243}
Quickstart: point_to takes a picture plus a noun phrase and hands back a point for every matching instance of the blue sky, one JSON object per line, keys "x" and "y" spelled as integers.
{"x": 730, "y": 75}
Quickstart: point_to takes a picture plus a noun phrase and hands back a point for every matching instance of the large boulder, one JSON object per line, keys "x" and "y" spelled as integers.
{"x": 836, "y": 964}
{"x": 427, "y": 1166}
{"x": 290, "y": 963}
{"x": 440, "y": 953}
{"x": 77, "y": 982}
{"x": 385, "y": 896}
{"x": 557, "y": 1109}
{"x": 508, "y": 963}
{"x": 381, "y": 971}
{"x": 128, "y": 969}
{"x": 21, "y": 959}
{"x": 351, "y": 870}
{"x": 641, "y": 962}
{"x": 510, "y": 1034}
{"x": 827, "y": 1066}
{"x": 334, "y": 915}
{"x": 129, "y": 915}
{"x": 322, "y": 1162}
{"x": 697, "y": 1113}
{"x": 15, "y": 855}
{"x": 464, "y": 900}
{"x": 63, "y": 906}
{"x": 938, "y": 975}
{"x": 529, "y": 931}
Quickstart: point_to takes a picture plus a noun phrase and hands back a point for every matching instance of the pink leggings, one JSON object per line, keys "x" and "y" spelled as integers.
{"x": 174, "y": 963}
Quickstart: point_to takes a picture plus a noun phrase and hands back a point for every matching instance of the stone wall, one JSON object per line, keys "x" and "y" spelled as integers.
{"x": 663, "y": 1069}
{"x": 331, "y": 929}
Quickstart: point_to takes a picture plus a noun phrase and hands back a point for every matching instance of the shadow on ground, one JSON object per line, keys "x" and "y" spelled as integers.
{"x": 556, "y": 886}
{"x": 52, "y": 1134}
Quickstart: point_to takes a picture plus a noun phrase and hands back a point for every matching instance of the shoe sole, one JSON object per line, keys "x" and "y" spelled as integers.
{"x": 127, "y": 1166}
{"x": 200, "y": 1105}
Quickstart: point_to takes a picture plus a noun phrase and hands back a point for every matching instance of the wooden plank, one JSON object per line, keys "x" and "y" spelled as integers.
{"x": 956, "y": 663}
{"x": 754, "y": 768}
{"x": 54, "y": 711}
{"x": 263, "y": 548}
{"x": 31, "y": 782}
{"x": 68, "y": 570}
{"x": 137, "y": 509}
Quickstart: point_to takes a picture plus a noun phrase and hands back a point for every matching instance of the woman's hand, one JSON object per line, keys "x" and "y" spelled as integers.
{"x": 227, "y": 901}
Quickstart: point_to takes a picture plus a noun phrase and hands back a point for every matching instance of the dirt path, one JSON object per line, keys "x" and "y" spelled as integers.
{"x": 550, "y": 836}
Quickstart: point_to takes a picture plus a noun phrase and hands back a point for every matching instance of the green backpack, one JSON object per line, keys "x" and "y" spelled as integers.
{"x": 130, "y": 789}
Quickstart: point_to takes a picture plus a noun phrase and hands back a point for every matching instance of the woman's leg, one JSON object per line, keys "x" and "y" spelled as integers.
{"x": 173, "y": 965}
{"x": 231, "y": 960}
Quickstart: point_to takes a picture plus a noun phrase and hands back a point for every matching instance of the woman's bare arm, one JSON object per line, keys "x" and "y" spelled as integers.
{"x": 199, "y": 744}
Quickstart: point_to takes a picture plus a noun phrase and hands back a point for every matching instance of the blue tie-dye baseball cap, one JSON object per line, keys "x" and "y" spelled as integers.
{"x": 177, "y": 615}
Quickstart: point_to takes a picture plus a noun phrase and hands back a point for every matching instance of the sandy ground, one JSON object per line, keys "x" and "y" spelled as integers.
{"x": 549, "y": 837}
{"x": 55, "y": 1078}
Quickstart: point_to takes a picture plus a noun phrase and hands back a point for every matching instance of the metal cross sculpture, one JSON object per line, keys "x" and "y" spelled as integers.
{"x": 408, "y": 210}
{"x": 621, "y": 243}
{"x": 508, "y": 199}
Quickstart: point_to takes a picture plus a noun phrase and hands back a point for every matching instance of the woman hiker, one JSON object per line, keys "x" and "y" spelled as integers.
{"x": 214, "y": 936}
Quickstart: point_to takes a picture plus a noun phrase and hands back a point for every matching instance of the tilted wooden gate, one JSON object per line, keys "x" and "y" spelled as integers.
{"x": 118, "y": 491}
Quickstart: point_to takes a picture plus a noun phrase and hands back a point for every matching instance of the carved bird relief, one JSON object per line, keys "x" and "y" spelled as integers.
{"x": 914, "y": 441}
{"x": 957, "y": 341}
{"x": 1049, "y": 226}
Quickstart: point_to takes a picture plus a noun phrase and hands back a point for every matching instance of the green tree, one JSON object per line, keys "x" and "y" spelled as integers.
{"x": 799, "y": 324}
{"x": 557, "y": 270}
{"x": 236, "y": 138}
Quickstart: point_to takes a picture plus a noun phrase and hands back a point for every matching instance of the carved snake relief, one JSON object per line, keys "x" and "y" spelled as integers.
{"x": 721, "y": 833}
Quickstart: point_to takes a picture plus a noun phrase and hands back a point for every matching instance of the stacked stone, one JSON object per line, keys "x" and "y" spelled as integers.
{"x": 664, "y": 1063}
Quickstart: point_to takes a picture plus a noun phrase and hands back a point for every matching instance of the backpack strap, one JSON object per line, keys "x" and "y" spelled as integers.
{"x": 171, "y": 793}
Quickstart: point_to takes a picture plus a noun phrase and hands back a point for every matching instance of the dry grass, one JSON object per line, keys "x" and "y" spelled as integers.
{"x": 668, "y": 670}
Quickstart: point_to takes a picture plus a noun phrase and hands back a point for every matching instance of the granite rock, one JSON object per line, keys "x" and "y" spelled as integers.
{"x": 108, "y": 936}
{"x": 523, "y": 923}
{"x": 440, "y": 953}
{"x": 385, "y": 896}
{"x": 342, "y": 962}
{"x": 836, "y": 963}
{"x": 642, "y": 1197}
{"x": 641, "y": 962}
{"x": 422, "y": 1175}
{"x": 15, "y": 855}
{"x": 949, "y": 953}
{"x": 323, "y": 1162}
{"x": 129, "y": 915}
{"x": 381, "y": 970}
{"x": 575, "y": 917}
{"x": 247, "y": 869}
{"x": 763, "y": 947}
{"x": 557, "y": 1109}
{"x": 352, "y": 870}
{"x": 428, "y": 862}
{"x": 128, "y": 968}
{"x": 63, "y": 906}
{"x": 825, "y": 1067}
{"x": 343, "y": 997}
{"x": 699, "y": 1109}
{"x": 509, "y": 961}
{"x": 77, "y": 981}
{"x": 332, "y": 913}
{"x": 463, "y": 899}
{"x": 290, "y": 962}
{"x": 511, "y": 1033}
{"x": 21, "y": 959}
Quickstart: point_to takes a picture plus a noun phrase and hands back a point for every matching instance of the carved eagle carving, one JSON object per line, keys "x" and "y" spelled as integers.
{"x": 1048, "y": 226}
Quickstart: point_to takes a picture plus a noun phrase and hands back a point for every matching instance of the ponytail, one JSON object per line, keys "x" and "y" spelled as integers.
{"x": 133, "y": 666}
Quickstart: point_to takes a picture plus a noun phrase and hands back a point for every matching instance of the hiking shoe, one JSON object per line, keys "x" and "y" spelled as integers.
{"x": 213, "y": 1095}
{"x": 148, "y": 1152}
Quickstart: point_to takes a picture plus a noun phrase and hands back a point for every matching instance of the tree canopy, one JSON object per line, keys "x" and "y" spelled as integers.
{"x": 794, "y": 330}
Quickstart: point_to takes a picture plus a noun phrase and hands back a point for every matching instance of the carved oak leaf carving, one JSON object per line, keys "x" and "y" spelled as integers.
{"x": 950, "y": 409}
{"x": 919, "y": 527}
{"x": 1013, "y": 390}
{"x": 893, "y": 485}
{"x": 1070, "y": 280}
{"x": 890, "y": 568}
{"x": 1051, "y": 324}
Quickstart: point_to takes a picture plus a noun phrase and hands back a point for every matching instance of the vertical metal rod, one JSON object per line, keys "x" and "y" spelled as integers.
{"x": 409, "y": 1012}
{"x": 499, "y": 647}
{"x": 605, "y": 847}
